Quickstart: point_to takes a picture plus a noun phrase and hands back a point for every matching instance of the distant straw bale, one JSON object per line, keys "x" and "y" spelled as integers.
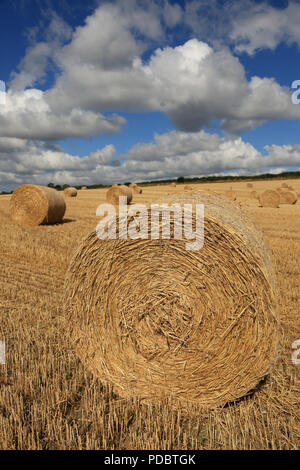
{"x": 32, "y": 205}
{"x": 83, "y": 187}
{"x": 188, "y": 188}
{"x": 284, "y": 185}
{"x": 113, "y": 194}
{"x": 230, "y": 194}
{"x": 288, "y": 197}
{"x": 254, "y": 195}
{"x": 269, "y": 198}
{"x": 173, "y": 185}
{"x": 135, "y": 188}
{"x": 155, "y": 320}
{"x": 70, "y": 192}
{"x": 249, "y": 185}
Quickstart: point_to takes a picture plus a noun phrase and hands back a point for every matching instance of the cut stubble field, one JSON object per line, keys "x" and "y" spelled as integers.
{"x": 49, "y": 401}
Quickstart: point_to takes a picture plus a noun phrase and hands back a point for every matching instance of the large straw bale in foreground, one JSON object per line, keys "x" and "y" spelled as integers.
{"x": 70, "y": 192}
{"x": 288, "y": 197}
{"x": 270, "y": 198}
{"x": 156, "y": 320}
{"x": 32, "y": 205}
{"x": 113, "y": 194}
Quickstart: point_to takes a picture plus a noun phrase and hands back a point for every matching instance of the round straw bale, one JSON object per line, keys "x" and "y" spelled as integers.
{"x": 197, "y": 326}
{"x": 269, "y": 198}
{"x": 188, "y": 188}
{"x": 32, "y": 205}
{"x": 173, "y": 185}
{"x": 113, "y": 194}
{"x": 291, "y": 188}
{"x": 249, "y": 185}
{"x": 288, "y": 197}
{"x": 230, "y": 194}
{"x": 137, "y": 190}
{"x": 114, "y": 185}
{"x": 70, "y": 192}
{"x": 83, "y": 187}
{"x": 284, "y": 185}
{"x": 254, "y": 195}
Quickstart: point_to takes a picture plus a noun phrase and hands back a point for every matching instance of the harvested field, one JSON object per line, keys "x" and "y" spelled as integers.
{"x": 49, "y": 400}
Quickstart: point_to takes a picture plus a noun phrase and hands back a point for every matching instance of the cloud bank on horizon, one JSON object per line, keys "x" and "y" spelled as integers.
{"x": 126, "y": 58}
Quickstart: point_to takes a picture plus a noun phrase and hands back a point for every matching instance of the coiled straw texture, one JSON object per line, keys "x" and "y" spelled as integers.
{"x": 32, "y": 205}
{"x": 156, "y": 320}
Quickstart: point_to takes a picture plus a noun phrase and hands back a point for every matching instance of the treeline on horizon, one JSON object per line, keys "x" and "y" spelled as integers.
{"x": 184, "y": 179}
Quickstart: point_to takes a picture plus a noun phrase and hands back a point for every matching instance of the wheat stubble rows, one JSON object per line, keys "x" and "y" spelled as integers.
{"x": 48, "y": 400}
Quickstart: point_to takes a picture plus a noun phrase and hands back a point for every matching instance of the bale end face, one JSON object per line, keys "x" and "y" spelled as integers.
{"x": 269, "y": 198}
{"x": 288, "y": 197}
{"x": 199, "y": 326}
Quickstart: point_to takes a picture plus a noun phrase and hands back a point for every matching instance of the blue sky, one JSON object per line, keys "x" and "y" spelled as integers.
{"x": 114, "y": 91}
